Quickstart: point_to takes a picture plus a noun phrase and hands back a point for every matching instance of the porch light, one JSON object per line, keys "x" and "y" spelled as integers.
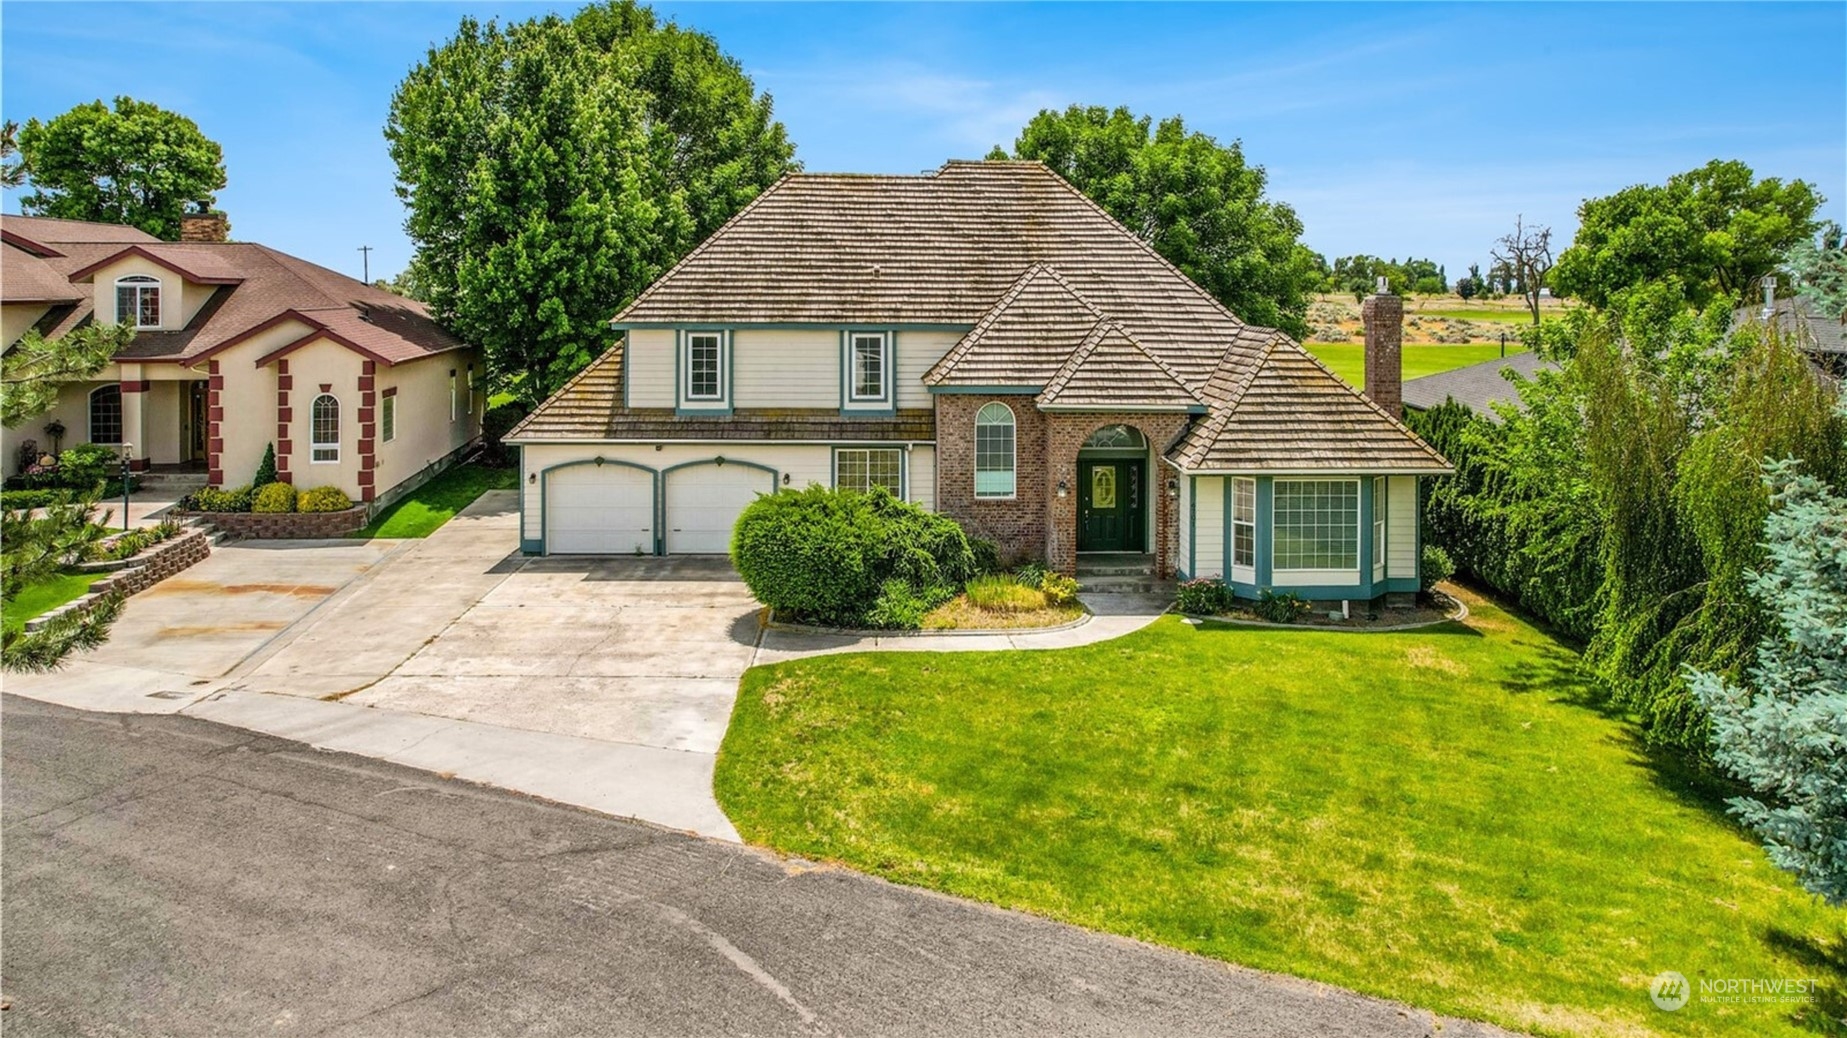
{"x": 785, "y": 479}
{"x": 128, "y": 454}
{"x": 1063, "y": 488}
{"x": 532, "y": 477}
{"x": 1173, "y": 487}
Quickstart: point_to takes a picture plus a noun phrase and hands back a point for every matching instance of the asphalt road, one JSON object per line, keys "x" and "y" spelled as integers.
{"x": 164, "y": 875}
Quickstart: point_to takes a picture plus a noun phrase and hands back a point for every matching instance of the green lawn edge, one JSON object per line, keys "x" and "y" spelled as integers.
{"x": 40, "y": 599}
{"x": 424, "y": 510}
{"x": 1443, "y": 817}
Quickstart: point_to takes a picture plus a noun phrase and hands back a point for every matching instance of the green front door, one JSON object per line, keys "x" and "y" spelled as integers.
{"x": 1109, "y": 506}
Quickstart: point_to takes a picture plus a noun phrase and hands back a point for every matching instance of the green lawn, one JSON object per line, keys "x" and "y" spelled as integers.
{"x": 1436, "y": 816}
{"x": 1348, "y": 359}
{"x": 432, "y": 504}
{"x": 1466, "y": 314}
{"x": 42, "y": 598}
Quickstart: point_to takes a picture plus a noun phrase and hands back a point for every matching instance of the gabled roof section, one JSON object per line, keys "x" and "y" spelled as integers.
{"x": 199, "y": 266}
{"x": 1294, "y": 415}
{"x": 26, "y": 278}
{"x": 1024, "y": 338}
{"x": 52, "y": 231}
{"x": 1111, "y": 371}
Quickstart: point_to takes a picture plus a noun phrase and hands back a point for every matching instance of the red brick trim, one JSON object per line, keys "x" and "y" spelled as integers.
{"x": 136, "y": 387}
{"x": 368, "y": 401}
{"x": 214, "y": 414}
{"x": 285, "y": 381}
{"x": 365, "y": 382}
{"x": 393, "y": 391}
{"x": 327, "y": 387}
{"x": 140, "y": 464}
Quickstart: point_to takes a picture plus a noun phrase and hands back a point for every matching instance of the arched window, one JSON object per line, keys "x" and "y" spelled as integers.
{"x": 137, "y": 301}
{"x": 106, "y": 415}
{"x": 1117, "y": 437}
{"x": 994, "y": 453}
{"x": 324, "y": 429}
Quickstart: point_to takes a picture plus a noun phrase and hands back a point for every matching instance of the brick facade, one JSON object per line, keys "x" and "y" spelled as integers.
{"x": 1382, "y": 317}
{"x": 1036, "y": 523}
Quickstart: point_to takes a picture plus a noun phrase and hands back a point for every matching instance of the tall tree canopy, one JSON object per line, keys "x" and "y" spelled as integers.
{"x": 1708, "y": 232}
{"x": 553, "y": 168}
{"x": 1195, "y": 200}
{"x": 137, "y": 164}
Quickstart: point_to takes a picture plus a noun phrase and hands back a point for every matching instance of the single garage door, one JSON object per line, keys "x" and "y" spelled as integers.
{"x": 603, "y": 509}
{"x": 703, "y": 503}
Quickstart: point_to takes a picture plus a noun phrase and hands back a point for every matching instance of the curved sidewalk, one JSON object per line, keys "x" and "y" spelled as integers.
{"x": 1112, "y": 616}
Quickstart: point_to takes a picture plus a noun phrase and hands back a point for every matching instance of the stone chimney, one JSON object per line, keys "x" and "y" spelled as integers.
{"x": 206, "y": 226}
{"x": 1383, "y": 317}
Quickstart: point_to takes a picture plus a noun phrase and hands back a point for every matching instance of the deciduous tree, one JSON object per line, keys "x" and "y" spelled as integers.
{"x": 554, "y": 168}
{"x": 1196, "y": 201}
{"x": 33, "y": 369}
{"x": 1527, "y": 252}
{"x": 137, "y": 164}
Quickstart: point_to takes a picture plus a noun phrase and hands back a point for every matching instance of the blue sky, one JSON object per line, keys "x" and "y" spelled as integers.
{"x": 1394, "y": 129}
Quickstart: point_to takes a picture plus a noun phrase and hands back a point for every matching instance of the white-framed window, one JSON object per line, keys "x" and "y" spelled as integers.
{"x": 106, "y": 414}
{"x": 453, "y": 402}
{"x": 994, "y": 451}
{"x": 1378, "y": 527}
{"x": 1244, "y": 522}
{"x": 324, "y": 429}
{"x": 862, "y": 468}
{"x": 388, "y": 418}
{"x": 705, "y": 366}
{"x": 1315, "y": 524}
{"x": 137, "y": 300}
{"x": 866, "y": 359}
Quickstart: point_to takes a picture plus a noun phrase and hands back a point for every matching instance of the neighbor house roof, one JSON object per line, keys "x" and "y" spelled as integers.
{"x": 253, "y": 286}
{"x": 1479, "y": 386}
{"x": 1053, "y": 295}
{"x": 1820, "y": 334}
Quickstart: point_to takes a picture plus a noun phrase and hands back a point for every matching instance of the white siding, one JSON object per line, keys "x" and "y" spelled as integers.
{"x": 1401, "y": 527}
{"x": 786, "y": 368}
{"x": 650, "y": 368}
{"x": 918, "y": 352}
{"x": 923, "y": 477}
{"x": 1209, "y": 527}
{"x": 1183, "y": 557}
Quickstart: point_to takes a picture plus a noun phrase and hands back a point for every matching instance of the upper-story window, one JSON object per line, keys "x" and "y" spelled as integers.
{"x": 324, "y": 429}
{"x": 705, "y": 366}
{"x": 866, "y": 379}
{"x": 994, "y": 453}
{"x": 137, "y": 300}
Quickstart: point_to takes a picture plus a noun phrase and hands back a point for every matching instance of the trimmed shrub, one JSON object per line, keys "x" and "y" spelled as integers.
{"x": 84, "y": 468}
{"x": 214, "y": 499}
{"x": 1058, "y": 589}
{"x": 266, "y": 474}
{"x": 25, "y": 499}
{"x": 1285, "y": 608}
{"x": 987, "y": 555}
{"x": 1003, "y": 595}
{"x": 1436, "y": 566}
{"x": 273, "y": 498}
{"x": 1206, "y": 596}
{"x": 827, "y": 556}
{"x": 323, "y": 499}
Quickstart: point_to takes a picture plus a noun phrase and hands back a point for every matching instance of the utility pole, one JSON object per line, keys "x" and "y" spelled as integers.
{"x": 365, "y": 260}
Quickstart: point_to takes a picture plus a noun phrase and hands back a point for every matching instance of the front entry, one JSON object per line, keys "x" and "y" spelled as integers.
{"x": 1110, "y": 512}
{"x": 193, "y": 420}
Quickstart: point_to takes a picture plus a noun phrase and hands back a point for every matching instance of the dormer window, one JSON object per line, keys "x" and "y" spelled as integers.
{"x": 137, "y": 301}
{"x": 705, "y": 366}
{"x": 867, "y": 368}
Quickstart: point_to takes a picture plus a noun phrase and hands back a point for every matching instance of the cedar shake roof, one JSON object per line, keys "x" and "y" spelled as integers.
{"x": 255, "y": 286}
{"x": 1056, "y": 295}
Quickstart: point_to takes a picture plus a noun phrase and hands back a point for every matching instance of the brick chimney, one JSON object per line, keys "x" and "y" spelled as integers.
{"x": 207, "y": 226}
{"x": 1383, "y": 317}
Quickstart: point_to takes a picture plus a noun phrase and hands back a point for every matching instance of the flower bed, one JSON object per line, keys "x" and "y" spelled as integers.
{"x": 285, "y": 525}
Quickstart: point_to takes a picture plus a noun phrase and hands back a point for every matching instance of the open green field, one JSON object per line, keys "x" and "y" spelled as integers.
{"x": 42, "y": 598}
{"x": 436, "y": 502}
{"x": 1483, "y": 314}
{"x": 1348, "y": 359}
{"x": 1440, "y": 816}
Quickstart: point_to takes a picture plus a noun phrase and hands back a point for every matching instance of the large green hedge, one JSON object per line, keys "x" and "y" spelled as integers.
{"x": 850, "y": 559}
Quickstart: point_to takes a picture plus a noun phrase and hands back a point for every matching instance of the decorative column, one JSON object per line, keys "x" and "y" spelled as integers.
{"x": 368, "y": 429}
{"x": 214, "y": 420}
{"x": 134, "y": 414}
{"x": 285, "y": 417}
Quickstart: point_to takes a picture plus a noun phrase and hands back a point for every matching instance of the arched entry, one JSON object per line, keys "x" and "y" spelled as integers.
{"x": 1112, "y": 490}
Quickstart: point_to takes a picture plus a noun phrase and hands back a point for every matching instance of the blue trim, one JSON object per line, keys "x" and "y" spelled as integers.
{"x": 913, "y": 326}
{"x": 989, "y": 390}
{"x": 654, "y": 483}
{"x": 1266, "y": 497}
{"x": 1192, "y": 527}
{"x": 1365, "y": 503}
{"x": 887, "y": 377}
{"x": 684, "y": 405}
{"x": 660, "y": 498}
{"x": 626, "y": 372}
{"x": 527, "y": 545}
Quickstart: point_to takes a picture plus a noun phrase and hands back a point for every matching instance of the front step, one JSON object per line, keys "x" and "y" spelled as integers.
{"x": 1115, "y": 564}
{"x": 1125, "y": 586}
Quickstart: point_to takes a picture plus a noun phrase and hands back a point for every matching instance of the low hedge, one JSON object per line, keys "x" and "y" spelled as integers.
{"x": 273, "y": 498}
{"x": 214, "y": 499}
{"x": 323, "y": 499}
{"x": 850, "y": 559}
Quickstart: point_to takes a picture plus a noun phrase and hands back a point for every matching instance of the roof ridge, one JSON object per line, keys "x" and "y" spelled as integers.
{"x": 1069, "y": 369}
{"x": 717, "y": 233}
{"x": 1213, "y": 427}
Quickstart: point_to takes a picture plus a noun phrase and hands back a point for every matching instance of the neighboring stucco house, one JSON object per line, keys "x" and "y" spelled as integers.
{"x": 240, "y": 346}
{"x": 986, "y": 342}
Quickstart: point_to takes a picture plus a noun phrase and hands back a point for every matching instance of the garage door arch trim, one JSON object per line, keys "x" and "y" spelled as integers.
{"x": 720, "y": 461}
{"x": 545, "y": 474}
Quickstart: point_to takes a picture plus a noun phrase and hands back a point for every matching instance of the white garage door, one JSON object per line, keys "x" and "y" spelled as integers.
{"x": 599, "y": 510}
{"x": 703, "y": 502}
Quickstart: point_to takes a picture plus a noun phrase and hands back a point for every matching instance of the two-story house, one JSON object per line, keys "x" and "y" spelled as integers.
{"x": 987, "y": 342}
{"x": 238, "y": 347}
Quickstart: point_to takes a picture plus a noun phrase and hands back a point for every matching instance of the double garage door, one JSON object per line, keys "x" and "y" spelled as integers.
{"x": 612, "y": 509}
